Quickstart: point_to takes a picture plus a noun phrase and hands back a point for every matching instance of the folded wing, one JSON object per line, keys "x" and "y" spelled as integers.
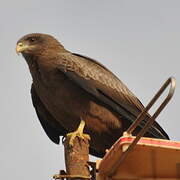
{"x": 101, "y": 83}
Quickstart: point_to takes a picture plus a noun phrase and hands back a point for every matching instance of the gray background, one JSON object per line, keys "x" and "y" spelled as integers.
{"x": 138, "y": 40}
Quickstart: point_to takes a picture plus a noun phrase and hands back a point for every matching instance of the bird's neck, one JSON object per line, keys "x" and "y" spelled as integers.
{"x": 32, "y": 62}
{"x": 40, "y": 64}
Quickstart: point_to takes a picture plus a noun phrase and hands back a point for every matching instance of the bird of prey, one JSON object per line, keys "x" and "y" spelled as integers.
{"x": 75, "y": 94}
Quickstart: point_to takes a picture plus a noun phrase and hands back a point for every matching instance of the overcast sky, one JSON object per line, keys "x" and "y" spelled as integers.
{"x": 138, "y": 40}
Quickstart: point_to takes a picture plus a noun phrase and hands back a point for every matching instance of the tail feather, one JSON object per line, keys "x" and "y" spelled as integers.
{"x": 155, "y": 131}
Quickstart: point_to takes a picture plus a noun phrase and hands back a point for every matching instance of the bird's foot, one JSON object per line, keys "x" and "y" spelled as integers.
{"x": 75, "y": 134}
{"x": 78, "y": 133}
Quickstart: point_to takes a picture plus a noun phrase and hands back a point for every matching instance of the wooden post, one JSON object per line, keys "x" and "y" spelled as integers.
{"x": 76, "y": 160}
{"x": 77, "y": 157}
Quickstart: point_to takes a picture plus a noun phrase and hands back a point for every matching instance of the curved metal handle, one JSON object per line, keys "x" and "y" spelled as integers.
{"x": 172, "y": 82}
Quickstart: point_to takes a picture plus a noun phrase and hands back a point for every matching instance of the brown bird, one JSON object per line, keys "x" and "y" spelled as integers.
{"x": 72, "y": 93}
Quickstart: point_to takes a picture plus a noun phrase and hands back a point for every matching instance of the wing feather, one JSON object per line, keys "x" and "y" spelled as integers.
{"x": 52, "y": 129}
{"x": 97, "y": 80}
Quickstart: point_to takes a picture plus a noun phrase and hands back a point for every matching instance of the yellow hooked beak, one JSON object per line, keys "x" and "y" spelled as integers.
{"x": 20, "y": 47}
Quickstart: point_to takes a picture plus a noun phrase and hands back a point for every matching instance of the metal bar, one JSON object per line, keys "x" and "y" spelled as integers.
{"x": 58, "y": 176}
{"x": 171, "y": 81}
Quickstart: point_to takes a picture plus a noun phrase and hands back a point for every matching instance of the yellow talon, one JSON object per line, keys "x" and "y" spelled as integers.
{"x": 78, "y": 133}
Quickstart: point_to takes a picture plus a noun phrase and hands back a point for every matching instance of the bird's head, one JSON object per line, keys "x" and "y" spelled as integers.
{"x": 37, "y": 43}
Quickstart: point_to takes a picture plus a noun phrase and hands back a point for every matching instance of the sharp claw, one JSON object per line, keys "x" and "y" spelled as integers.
{"x": 75, "y": 134}
{"x": 63, "y": 139}
{"x": 78, "y": 133}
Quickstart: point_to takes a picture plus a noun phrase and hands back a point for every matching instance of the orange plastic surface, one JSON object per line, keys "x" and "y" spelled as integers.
{"x": 150, "y": 159}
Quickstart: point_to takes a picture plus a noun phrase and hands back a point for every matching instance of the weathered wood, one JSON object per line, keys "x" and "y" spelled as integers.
{"x": 77, "y": 157}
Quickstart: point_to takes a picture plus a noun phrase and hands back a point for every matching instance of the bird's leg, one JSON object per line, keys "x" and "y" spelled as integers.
{"x": 78, "y": 133}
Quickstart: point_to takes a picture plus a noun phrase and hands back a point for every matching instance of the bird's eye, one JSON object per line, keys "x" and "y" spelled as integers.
{"x": 32, "y": 39}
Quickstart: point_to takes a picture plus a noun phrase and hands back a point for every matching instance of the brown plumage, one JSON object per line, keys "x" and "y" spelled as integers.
{"x": 68, "y": 87}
